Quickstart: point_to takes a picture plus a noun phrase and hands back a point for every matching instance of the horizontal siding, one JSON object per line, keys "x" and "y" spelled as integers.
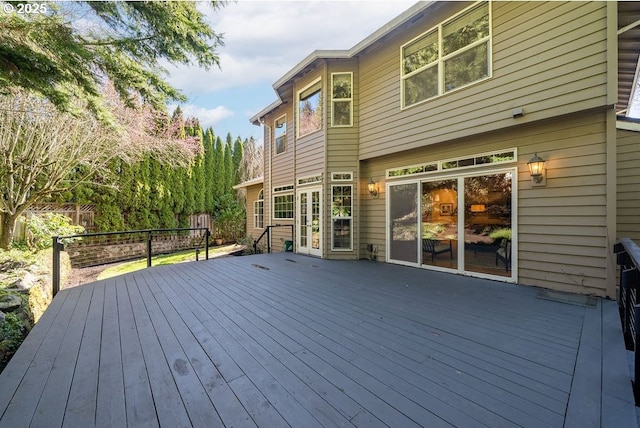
{"x": 562, "y": 229}
{"x": 310, "y": 149}
{"x": 282, "y": 163}
{"x": 628, "y": 185}
{"x": 545, "y": 63}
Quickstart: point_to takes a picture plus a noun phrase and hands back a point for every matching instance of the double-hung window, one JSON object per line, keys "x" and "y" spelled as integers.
{"x": 452, "y": 55}
{"x": 341, "y": 99}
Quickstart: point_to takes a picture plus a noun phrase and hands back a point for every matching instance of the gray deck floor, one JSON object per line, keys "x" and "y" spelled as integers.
{"x": 284, "y": 340}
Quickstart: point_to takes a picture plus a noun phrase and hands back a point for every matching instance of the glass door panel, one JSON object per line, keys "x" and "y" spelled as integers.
{"x": 440, "y": 223}
{"x": 487, "y": 224}
{"x": 403, "y": 217}
{"x": 302, "y": 222}
{"x": 309, "y": 223}
{"x": 315, "y": 220}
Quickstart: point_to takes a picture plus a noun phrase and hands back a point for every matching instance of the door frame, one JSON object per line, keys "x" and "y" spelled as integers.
{"x": 471, "y": 172}
{"x": 309, "y": 249}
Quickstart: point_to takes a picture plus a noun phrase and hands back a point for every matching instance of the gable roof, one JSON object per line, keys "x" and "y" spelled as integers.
{"x": 628, "y": 54}
{"x": 281, "y": 85}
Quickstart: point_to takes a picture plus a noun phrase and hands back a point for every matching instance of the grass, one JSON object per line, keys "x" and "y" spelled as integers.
{"x": 163, "y": 259}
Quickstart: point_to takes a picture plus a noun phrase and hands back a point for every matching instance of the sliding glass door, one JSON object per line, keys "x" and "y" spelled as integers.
{"x": 487, "y": 224}
{"x": 403, "y": 218}
{"x": 462, "y": 224}
{"x": 439, "y": 238}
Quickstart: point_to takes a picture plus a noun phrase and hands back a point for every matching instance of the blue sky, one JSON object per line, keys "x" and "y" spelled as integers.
{"x": 264, "y": 40}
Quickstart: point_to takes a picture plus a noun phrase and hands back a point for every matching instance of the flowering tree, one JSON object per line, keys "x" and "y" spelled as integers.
{"x": 44, "y": 151}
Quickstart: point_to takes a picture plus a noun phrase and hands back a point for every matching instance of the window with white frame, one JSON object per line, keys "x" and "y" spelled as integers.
{"x": 283, "y": 205}
{"x": 341, "y": 99}
{"x": 454, "y": 54}
{"x": 341, "y": 217}
{"x": 280, "y": 134}
{"x": 310, "y": 109}
{"x": 258, "y": 211}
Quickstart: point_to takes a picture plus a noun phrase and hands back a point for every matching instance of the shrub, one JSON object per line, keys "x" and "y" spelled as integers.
{"x": 12, "y": 333}
{"x": 500, "y": 234}
{"x": 42, "y": 228}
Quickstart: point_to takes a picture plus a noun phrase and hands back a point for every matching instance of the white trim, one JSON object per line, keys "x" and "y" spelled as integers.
{"x": 628, "y": 126}
{"x": 335, "y": 180}
{"x": 460, "y": 176}
{"x": 439, "y": 63}
{"x": 284, "y": 135}
{"x": 298, "y": 211}
{"x": 440, "y": 169}
{"x": 350, "y": 218}
{"x": 310, "y": 180}
{"x": 350, "y": 100}
{"x": 297, "y": 107}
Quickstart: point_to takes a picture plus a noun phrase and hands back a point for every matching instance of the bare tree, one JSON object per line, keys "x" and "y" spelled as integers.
{"x": 40, "y": 148}
{"x": 252, "y": 162}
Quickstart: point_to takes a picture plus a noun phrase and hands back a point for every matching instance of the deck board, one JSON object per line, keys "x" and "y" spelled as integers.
{"x": 284, "y": 340}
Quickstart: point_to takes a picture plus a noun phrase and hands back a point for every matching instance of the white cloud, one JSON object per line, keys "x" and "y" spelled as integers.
{"x": 208, "y": 117}
{"x": 264, "y": 39}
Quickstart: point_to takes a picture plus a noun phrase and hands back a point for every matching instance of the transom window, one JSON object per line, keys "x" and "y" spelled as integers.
{"x": 280, "y": 134}
{"x": 341, "y": 99}
{"x": 454, "y": 54}
{"x": 482, "y": 159}
{"x": 310, "y": 109}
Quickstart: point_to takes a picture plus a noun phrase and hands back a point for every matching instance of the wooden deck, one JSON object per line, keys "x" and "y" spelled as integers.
{"x": 284, "y": 340}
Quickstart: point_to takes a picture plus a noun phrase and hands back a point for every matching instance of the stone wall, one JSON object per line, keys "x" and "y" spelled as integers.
{"x": 85, "y": 254}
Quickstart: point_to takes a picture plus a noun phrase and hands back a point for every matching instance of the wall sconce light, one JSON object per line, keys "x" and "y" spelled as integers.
{"x": 536, "y": 168}
{"x": 373, "y": 188}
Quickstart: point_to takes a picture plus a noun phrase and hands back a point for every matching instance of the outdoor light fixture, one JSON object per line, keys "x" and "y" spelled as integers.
{"x": 536, "y": 168}
{"x": 373, "y": 188}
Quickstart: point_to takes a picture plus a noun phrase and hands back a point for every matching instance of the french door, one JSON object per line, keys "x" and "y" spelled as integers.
{"x": 463, "y": 224}
{"x": 309, "y": 221}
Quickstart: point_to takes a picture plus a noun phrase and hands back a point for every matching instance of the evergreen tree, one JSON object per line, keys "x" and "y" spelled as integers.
{"x": 198, "y": 177}
{"x": 238, "y": 154}
{"x": 126, "y": 43}
{"x": 209, "y": 172}
{"x": 218, "y": 181}
{"x": 229, "y": 173}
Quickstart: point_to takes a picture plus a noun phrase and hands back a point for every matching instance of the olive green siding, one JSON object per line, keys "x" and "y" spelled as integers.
{"x": 252, "y": 196}
{"x": 562, "y": 227}
{"x": 628, "y": 190}
{"x": 554, "y": 61}
{"x": 548, "y": 58}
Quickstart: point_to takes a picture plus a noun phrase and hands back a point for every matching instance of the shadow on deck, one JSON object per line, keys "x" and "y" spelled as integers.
{"x": 286, "y": 340}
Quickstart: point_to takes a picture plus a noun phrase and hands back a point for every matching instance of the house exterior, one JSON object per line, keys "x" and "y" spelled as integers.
{"x": 415, "y": 146}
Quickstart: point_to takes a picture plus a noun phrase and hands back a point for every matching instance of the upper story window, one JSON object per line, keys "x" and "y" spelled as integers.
{"x": 454, "y": 54}
{"x": 341, "y": 99}
{"x": 310, "y": 109}
{"x": 280, "y": 134}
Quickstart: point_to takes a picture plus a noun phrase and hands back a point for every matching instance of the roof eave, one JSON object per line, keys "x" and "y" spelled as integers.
{"x": 316, "y": 55}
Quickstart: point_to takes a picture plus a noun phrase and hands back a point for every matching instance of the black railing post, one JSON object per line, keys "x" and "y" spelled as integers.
{"x": 206, "y": 244}
{"x": 57, "y": 247}
{"x": 149, "y": 249}
{"x": 636, "y": 350}
{"x": 269, "y": 239}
